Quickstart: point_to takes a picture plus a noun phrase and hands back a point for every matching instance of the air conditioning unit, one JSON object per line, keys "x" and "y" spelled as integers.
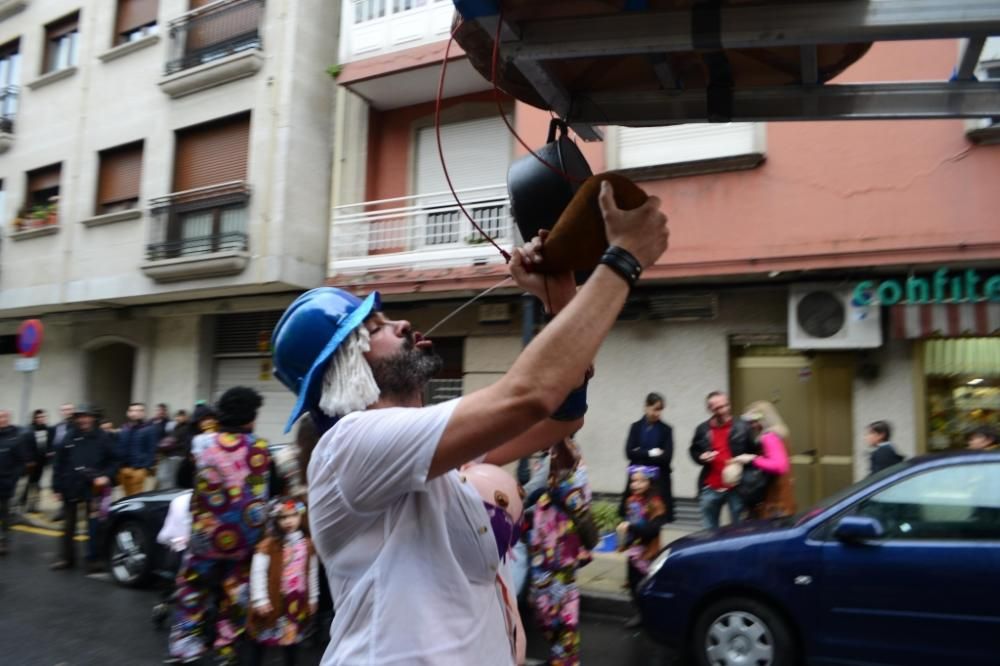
{"x": 822, "y": 316}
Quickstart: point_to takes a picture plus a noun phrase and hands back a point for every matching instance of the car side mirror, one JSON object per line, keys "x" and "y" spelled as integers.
{"x": 853, "y": 529}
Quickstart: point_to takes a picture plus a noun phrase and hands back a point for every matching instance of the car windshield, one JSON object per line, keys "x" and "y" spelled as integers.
{"x": 833, "y": 499}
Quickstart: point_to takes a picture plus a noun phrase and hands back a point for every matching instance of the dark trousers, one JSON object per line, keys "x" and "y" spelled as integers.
{"x": 70, "y": 515}
{"x": 4, "y": 519}
{"x": 253, "y": 654}
{"x": 33, "y": 484}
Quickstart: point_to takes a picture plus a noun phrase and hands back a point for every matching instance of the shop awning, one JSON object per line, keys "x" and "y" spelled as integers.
{"x": 970, "y": 357}
{"x": 951, "y": 320}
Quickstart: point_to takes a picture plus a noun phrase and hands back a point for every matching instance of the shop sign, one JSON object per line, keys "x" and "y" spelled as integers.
{"x": 942, "y": 287}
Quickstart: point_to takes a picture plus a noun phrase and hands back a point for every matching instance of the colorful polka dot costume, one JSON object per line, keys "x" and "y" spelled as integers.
{"x": 229, "y": 505}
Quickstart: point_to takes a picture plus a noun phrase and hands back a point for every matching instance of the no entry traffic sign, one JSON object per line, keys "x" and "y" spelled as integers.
{"x": 29, "y": 337}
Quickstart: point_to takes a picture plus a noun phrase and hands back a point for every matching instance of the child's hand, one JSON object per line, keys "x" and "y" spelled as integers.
{"x": 264, "y": 609}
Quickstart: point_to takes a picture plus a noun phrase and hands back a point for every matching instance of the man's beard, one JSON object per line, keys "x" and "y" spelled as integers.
{"x": 405, "y": 374}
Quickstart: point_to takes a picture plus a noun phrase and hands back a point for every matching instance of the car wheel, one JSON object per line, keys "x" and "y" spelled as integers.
{"x": 130, "y": 555}
{"x": 742, "y": 632}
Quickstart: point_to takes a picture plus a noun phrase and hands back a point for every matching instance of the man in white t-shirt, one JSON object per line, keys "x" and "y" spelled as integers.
{"x": 412, "y": 562}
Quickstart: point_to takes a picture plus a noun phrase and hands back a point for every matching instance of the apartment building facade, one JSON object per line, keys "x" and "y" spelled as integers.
{"x": 165, "y": 173}
{"x": 762, "y": 215}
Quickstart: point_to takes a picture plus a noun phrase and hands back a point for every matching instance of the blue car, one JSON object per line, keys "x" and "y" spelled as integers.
{"x": 900, "y": 568}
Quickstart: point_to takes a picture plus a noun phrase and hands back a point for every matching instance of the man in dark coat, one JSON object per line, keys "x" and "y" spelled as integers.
{"x": 38, "y": 440}
{"x": 651, "y": 443}
{"x": 12, "y": 455}
{"x": 85, "y": 466}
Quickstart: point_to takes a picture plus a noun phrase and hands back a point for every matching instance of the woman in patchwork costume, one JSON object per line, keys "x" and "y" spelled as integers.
{"x": 228, "y": 511}
{"x": 556, "y": 552}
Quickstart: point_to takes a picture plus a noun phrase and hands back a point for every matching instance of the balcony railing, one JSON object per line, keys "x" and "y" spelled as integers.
{"x": 8, "y": 108}
{"x": 204, "y": 221}
{"x": 372, "y": 27}
{"x": 213, "y": 32}
{"x": 426, "y": 229}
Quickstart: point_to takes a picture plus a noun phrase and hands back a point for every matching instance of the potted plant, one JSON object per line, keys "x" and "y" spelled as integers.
{"x": 39, "y": 215}
{"x": 52, "y": 211}
{"x": 606, "y": 519}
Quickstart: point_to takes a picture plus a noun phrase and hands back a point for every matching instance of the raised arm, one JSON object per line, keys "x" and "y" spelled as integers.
{"x": 556, "y": 361}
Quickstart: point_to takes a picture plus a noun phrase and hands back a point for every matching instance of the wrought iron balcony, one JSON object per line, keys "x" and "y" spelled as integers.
{"x": 213, "y": 32}
{"x": 203, "y": 221}
{"x": 424, "y": 229}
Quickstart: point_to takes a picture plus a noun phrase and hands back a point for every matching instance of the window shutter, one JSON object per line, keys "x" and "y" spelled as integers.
{"x": 121, "y": 170}
{"x": 134, "y": 14}
{"x": 64, "y": 26}
{"x": 44, "y": 178}
{"x": 212, "y": 154}
{"x": 653, "y": 146}
{"x": 466, "y": 145}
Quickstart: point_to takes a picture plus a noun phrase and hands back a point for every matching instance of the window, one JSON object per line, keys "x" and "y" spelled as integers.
{"x": 62, "y": 40}
{"x": 136, "y": 19}
{"x": 42, "y": 198}
{"x": 648, "y": 147}
{"x": 960, "y": 502}
{"x": 368, "y": 10}
{"x": 205, "y": 215}
{"x": 118, "y": 186}
{"x": 10, "y": 78}
{"x": 43, "y": 185}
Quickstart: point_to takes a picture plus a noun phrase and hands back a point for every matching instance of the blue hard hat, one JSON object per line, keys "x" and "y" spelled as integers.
{"x": 308, "y": 334}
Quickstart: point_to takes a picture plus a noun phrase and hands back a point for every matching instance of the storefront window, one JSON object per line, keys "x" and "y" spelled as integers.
{"x": 963, "y": 389}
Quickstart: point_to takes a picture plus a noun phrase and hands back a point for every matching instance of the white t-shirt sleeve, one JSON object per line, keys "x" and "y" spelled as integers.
{"x": 383, "y": 454}
{"x": 258, "y": 580}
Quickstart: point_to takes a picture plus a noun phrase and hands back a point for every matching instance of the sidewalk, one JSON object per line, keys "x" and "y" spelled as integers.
{"x": 603, "y": 582}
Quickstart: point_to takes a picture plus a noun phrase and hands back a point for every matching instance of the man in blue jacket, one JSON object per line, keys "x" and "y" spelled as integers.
{"x": 651, "y": 442}
{"x": 136, "y": 450}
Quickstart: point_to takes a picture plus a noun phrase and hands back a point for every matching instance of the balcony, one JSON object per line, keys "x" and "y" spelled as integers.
{"x": 376, "y": 27}
{"x": 421, "y": 231}
{"x": 212, "y": 45}
{"x": 8, "y": 109}
{"x": 199, "y": 234}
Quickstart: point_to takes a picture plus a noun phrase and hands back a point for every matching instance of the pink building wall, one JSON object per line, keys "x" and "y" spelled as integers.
{"x": 830, "y": 194}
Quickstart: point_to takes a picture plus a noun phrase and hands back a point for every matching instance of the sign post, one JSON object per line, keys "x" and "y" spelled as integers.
{"x": 29, "y": 342}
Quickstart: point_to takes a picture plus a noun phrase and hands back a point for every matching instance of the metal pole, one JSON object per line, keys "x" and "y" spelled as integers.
{"x": 26, "y": 398}
{"x": 527, "y": 334}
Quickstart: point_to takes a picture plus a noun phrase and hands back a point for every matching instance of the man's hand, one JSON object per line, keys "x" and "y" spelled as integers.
{"x": 58, "y": 496}
{"x": 524, "y": 266}
{"x": 102, "y": 481}
{"x": 642, "y": 232}
{"x": 655, "y": 453}
{"x": 708, "y": 456}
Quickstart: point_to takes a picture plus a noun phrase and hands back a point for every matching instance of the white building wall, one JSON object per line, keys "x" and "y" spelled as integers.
{"x": 894, "y": 397}
{"x": 110, "y": 103}
{"x": 684, "y": 361}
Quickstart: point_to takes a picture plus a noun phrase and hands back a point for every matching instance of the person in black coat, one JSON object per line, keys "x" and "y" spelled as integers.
{"x": 38, "y": 441}
{"x": 84, "y": 469}
{"x": 12, "y": 455}
{"x": 884, "y": 455}
{"x": 651, "y": 443}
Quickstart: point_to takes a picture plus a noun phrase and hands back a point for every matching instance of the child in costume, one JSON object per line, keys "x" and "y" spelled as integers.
{"x": 639, "y": 533}
{"x": 284, "y": 585}
{"x": 556, "y": 552}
